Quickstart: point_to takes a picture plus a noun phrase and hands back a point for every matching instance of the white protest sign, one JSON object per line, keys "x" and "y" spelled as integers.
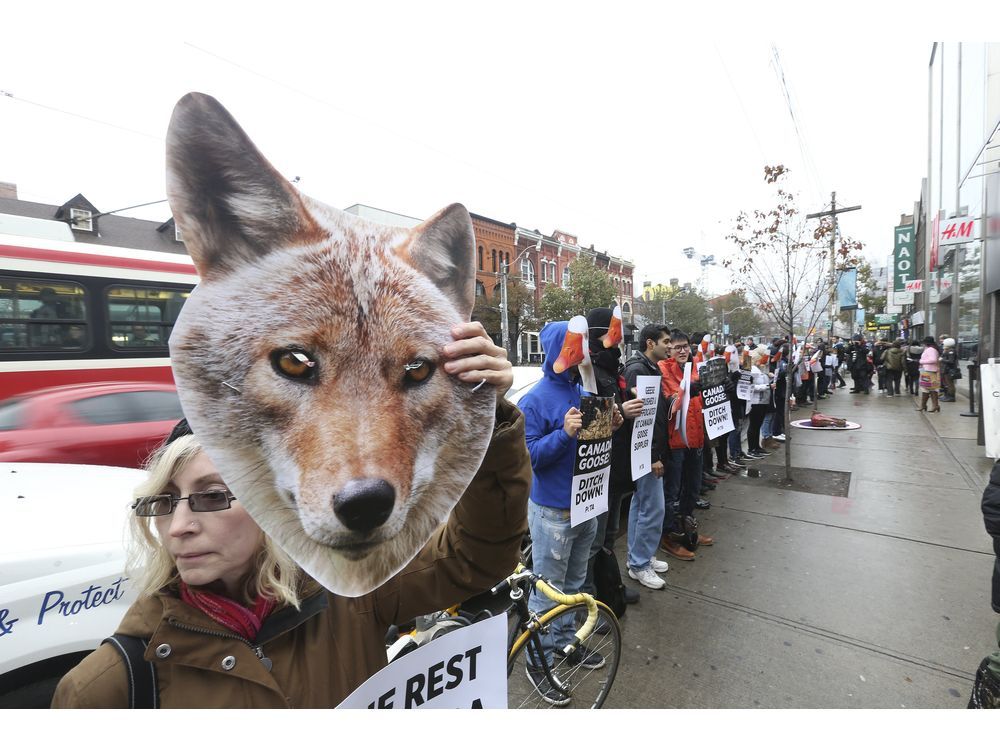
{"x": 466, "y": 668}
{"x": 592, "y": 467}
{"x": 718, "y": 414}
{"x": 744, "y": 390}
{"x": 647, "y": 387}
{"x": 682, "y": 413}
{"x": 989, "y": 381}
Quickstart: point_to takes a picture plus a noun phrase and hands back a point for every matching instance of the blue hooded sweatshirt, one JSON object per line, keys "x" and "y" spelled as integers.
{"x": 544, "y": 406}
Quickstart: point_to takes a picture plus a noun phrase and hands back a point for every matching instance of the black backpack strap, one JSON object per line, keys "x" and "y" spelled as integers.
{"x": 143, "y": 691}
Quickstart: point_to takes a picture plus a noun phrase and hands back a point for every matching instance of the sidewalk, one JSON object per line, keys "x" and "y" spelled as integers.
{"x": 876, "y": 599}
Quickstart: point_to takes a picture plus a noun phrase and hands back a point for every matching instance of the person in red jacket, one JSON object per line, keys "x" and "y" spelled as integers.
{"x": 683, "y": 466}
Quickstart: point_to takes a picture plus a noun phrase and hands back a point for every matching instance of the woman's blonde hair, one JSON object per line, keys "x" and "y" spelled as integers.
{"x": 149, "y": 563}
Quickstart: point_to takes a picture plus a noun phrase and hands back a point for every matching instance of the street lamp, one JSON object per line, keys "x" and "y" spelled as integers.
{"x": 728, "y": 312}
{"x": 504, "y": 270}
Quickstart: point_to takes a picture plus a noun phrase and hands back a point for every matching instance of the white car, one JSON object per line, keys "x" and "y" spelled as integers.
{"x": 524, "y": 378}
{"x": 62, "y": 570}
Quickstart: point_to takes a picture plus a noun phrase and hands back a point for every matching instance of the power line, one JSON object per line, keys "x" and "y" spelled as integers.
{"x": 9, "y": 95}
{"x": 807, "y": 161}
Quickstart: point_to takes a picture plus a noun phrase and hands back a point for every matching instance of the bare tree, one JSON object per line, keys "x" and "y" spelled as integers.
{"x": 782, "y": 265}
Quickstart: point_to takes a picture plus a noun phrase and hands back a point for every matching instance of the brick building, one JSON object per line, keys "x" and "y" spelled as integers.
{"x": 494, "y": 247}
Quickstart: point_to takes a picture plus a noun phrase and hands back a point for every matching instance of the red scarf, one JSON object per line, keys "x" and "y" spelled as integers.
{"x": 233, "y": 615}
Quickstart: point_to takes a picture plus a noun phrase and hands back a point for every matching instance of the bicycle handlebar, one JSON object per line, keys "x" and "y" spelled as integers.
{"x": 551, "y": 592}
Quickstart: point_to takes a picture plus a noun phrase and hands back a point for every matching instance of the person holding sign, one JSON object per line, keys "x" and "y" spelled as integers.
{"x": 230, "y": 621}
{"x": 682, "y": 471}
{"x": 560, "y": 550}
{"x": 645, "y": 517}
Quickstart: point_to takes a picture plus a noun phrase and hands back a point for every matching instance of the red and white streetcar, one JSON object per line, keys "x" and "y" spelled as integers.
{"x": 72, "y": 312}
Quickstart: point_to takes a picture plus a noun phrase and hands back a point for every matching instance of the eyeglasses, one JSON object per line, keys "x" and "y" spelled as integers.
{"x": 681, "y": 347}
{"x": 198, "y": 502}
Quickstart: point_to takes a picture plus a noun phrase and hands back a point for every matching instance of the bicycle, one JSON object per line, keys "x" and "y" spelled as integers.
{"x": 583, "y": 669}
{"x": 570, "y": 679}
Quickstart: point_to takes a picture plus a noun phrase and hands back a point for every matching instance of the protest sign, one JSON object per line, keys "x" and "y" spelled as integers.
{"x": 647, "y": 387}
{"x": 744, "y": 389}
{"x": 465, "y": 668}
{"x": 682, "y": 413}
{"x": 592, "y": 469}
{"x": 718, "y": 413}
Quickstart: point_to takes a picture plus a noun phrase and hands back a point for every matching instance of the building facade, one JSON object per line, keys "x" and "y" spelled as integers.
{"x": 959, "y": 266}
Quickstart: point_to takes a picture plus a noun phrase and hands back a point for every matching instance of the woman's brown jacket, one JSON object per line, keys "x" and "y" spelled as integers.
{"x": 323, "y": 652}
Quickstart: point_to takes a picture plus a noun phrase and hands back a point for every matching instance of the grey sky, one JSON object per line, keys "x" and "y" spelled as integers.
{"x": 639, "y": 130}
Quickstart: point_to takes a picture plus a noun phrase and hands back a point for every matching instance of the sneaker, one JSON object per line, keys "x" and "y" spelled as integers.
{"x": 780, "y": 438}
{"x": 702, "y": 504}
{"x": 585, "y": 658}
{"x": 659, "y": 566}
{"x": 647, "y": 578}
{"x": 739, "y": 463}
{"x": 718, "y": 474}
{"x": 675, "y": 550}
{"x": 751, "y": 457}
{"x": 760, "y": 453}
{"x": 544, "y": 687}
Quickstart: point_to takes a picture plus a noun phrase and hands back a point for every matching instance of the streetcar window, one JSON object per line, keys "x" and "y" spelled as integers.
{"x": 142, "y": 317}
{"x": 42, "y": 315}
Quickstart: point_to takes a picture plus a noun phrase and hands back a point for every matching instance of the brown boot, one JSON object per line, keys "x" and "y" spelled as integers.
{"x": 673, "y": 549}
{"x": 705, "y": 541}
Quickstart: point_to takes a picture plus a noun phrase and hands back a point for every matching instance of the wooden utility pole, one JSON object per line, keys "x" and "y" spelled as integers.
{"x": 834, "y": 211}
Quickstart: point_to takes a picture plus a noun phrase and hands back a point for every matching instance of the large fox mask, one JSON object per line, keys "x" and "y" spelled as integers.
{"x": 308, "y": 359}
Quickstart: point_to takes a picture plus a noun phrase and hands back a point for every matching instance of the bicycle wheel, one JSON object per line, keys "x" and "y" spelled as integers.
{"x": 584, "y": 684}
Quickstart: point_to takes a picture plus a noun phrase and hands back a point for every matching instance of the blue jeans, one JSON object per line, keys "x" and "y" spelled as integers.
{"x": 765, "y": 428}
{"x": 681, "y": 485}
{"x": 645, "y": 521}
{"x": 559, "y": 554}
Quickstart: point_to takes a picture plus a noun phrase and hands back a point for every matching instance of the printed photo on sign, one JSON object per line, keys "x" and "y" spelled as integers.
{"x": 271, "y": 389}
{"x": 592, "y": 469}
{"x": 647, "y": 387}
{"x": 715, "y": 372}
{"x": 465, "y": 668}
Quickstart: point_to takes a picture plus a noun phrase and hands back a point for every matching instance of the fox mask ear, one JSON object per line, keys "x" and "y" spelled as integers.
{"x": 443, "y": 249}
{"x": 230, "y": 204}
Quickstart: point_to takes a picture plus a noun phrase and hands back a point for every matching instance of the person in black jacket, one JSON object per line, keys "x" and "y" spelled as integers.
{"x": 858, "y": 362}
{"x": 645, "y": 517}
{"x": 986, "y": 690}
{"x": 610, "y": 383}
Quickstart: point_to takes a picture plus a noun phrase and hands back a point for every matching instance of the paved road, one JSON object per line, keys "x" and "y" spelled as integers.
{"x": 876, "y": 600}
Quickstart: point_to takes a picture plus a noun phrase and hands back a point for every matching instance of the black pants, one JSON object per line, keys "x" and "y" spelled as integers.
{"x": 892, "y": 385}
{"x": 821, "y": 383}
{"x": 912, "y": 377}
{"x": 757, "y": 413}
{"x": 841, "y": 383}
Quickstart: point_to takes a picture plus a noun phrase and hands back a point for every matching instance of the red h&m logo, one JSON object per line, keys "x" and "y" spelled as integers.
{"x": 954, "y": 231}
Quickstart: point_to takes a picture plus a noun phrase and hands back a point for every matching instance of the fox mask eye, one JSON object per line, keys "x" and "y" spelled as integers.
{"x": 417, "y": 371}
{"x": 293, "y": 364}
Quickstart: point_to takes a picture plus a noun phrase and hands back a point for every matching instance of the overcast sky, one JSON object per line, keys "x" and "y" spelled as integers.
{"x": 641, "y": 131}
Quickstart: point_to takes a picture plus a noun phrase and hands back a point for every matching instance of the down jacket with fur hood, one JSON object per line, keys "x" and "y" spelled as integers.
{"x": 322, "y": 652}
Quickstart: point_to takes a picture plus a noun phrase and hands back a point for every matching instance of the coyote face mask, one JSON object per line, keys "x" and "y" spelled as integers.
{"x": 308, "y": 359}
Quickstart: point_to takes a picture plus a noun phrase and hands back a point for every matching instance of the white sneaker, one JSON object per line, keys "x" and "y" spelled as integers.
{"x": 780, "y": 438}
{"x": 647, "y": 578}
{"x": 659, "y": 566}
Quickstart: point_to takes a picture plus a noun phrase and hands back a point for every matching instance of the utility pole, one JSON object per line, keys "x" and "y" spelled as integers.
{"x": 833, "y": 212}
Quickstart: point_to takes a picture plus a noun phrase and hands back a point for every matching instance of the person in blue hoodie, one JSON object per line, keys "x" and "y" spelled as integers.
{"x": 552, "y": 421}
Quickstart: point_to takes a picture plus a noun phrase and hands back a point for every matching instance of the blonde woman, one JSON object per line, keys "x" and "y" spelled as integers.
{"x": 230, "y": 621}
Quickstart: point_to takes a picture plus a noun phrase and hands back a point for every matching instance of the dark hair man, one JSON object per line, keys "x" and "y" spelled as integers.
{"x": 645, "y": 517}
